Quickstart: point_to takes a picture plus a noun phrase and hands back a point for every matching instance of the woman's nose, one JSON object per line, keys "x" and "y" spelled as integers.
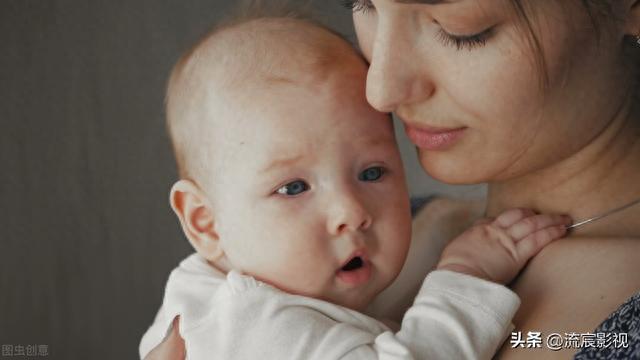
{"x": 348, "y": 213}
{"x": 398, "y": 69}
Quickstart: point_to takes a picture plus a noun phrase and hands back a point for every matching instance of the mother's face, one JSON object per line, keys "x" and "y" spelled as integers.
{"x": 463, "y": 77}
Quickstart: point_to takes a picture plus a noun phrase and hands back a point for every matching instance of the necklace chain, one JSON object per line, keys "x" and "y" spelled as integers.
{"x": 604, "y": 215}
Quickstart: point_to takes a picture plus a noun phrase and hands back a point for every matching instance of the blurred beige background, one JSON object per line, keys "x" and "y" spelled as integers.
{"x": 87, "y": 238}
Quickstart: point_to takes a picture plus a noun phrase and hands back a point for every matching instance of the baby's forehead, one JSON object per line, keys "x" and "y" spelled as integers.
{"x": 276, "y": 51}
{"x": 268, "y": 63}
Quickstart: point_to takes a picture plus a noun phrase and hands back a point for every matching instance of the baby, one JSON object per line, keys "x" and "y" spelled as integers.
{"x": 293, "y": 195}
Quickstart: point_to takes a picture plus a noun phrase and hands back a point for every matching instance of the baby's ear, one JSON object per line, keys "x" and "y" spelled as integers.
{"x": 196, "y": 216}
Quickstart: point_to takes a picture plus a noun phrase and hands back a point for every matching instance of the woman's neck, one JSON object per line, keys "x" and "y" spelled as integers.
{"x": 602, "y": 176}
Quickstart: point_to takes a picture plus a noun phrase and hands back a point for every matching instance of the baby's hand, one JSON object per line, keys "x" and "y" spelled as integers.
{"x": 496, "y": 250}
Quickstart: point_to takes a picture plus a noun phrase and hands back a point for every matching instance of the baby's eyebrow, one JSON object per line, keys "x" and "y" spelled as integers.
{"x": 283, "y": 162}
{"x": 379, "y": 141}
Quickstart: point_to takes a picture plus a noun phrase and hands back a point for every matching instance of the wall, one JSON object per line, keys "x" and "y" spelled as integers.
{"x": 87, "y": 238}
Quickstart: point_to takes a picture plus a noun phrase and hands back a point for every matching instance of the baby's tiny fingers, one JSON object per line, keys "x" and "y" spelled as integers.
{"x": 510, "y": 217}
{"x": 532, "y": 244}
{"x": 530, "y": 225}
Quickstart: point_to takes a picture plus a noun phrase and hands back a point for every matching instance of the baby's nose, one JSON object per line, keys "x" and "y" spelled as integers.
{"x": 348, "y": 214}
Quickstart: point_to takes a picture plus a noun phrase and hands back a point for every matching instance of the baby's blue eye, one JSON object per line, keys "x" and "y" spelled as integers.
{"x": 373, "y": 173}
{"x": 293, "y": 188}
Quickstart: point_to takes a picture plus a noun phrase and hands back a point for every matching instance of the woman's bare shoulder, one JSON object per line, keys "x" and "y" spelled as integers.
{"x": 572, "y": 286}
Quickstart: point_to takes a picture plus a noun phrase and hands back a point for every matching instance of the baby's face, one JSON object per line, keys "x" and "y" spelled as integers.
{"x": 310, "y": 195}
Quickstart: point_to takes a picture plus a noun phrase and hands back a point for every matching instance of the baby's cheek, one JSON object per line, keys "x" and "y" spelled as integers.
{"x": 302, "y": 261}
{"x": 302, "y": 278}
{"x": 394, "y": 245}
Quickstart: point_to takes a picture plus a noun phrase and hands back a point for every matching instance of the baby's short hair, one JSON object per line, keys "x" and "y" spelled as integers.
{"x": 240, "y": 52}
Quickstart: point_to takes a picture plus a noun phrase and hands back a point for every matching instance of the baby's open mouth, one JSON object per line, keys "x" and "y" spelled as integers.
{"x": 356, "y": 271}
{"x": 353, "y": 264}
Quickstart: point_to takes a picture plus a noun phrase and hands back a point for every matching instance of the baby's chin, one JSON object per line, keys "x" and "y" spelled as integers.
{"x": 359, "y": 300}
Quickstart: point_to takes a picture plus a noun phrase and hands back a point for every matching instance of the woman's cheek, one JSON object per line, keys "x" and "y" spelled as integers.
{"x": 501, "y": 82}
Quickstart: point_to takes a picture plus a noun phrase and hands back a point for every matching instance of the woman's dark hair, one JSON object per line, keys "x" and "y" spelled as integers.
{"x": 599, "y": 11}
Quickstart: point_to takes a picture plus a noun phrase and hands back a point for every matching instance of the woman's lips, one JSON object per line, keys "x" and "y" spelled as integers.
{"x": 434, "y": 138}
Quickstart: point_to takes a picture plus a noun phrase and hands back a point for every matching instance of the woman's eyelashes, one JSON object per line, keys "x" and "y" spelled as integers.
{"x": 358, "y": 5}
{"x": 468, "y": 42}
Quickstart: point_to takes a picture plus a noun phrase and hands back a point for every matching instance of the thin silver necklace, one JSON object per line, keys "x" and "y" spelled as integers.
{"x": 604, "y": 215}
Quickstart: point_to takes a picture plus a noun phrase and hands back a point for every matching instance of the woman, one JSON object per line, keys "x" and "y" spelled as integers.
{"x": 538, "y": 98}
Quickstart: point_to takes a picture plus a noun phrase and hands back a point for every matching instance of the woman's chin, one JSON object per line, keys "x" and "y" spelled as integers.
{"x": 453, "y": 171}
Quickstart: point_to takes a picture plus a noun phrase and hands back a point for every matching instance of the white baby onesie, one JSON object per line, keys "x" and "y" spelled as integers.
{"x": 454, "y": 316}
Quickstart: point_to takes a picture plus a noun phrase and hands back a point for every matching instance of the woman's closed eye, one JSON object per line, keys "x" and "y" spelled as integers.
{"x": 293, "y": 188}
{"x": 468, "y": 42}
{"x": 372, "y": 174}
{"x": 358, "y": 5}
{"x": 460, "y": 42}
